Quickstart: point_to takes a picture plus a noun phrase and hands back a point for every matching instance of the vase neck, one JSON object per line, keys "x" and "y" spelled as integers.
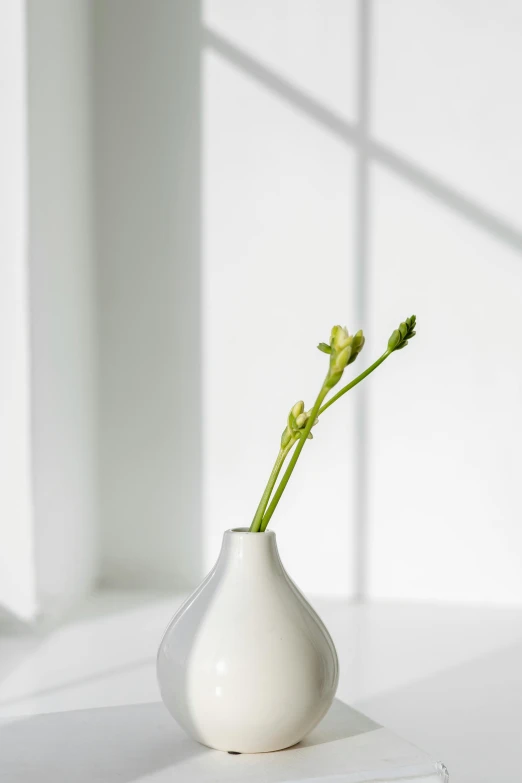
{"x": 254, "y": 552}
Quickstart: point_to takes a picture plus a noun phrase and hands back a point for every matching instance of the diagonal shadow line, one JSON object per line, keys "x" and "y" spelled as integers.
{"x": 353, "y": 134}
{"x": 123, "y": 669}
{"x": 285, "y": 89}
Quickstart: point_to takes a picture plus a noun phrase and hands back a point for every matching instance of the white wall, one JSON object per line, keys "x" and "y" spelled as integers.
{"x": 355, "y": 161}
{"x": 446, "y": 419}
{"x": 438, "y": 153}
{"x": 147, "y": 140}
{"x": 274, "y": 205}
{"x": 278, "y": 271}
{"x": 48, "y": 499}
{"x": 17, "y": 582}
{"x": 60, "y": 250}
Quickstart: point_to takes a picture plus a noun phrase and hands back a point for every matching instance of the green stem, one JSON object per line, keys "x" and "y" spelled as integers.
{"x": 260, "y": 522}
{"x": 291, "y": 465}
{"x": 316, "y": 411}
{"x": 355, "y": 381}
{"x": 258, "y": 516}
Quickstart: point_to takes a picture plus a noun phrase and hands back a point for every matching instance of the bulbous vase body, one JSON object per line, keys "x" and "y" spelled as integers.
{"x": 246, "y": 664}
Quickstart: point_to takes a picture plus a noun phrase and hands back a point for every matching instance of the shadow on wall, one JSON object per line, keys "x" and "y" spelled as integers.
{"x": 147, "y": 194}
{"x": 148, "y": 227}
{"x": 357, "y": 135}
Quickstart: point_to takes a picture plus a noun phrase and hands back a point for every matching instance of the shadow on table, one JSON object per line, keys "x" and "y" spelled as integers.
{"x": 109, "y": 744}
{"x": 470, "y": 714}
{"x": 341, "y": 722}
{"x": 128, "y": 743}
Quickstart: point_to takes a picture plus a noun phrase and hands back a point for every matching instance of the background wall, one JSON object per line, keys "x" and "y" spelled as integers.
{"x": 147, "y": 196}
{"x": 446, "y": 420}
{"x": 60, "y": 245}
{"x": 17, "y": 580}
{"x": 360, "y": 163}
{"x": 47, "y": 424}
{"x": 209, "y": 189}
{"x": 278, "y": 271}
{"x": 348, "y": 173}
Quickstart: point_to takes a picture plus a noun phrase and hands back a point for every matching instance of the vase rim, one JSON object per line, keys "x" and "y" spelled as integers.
{"x": 246, "y": 531}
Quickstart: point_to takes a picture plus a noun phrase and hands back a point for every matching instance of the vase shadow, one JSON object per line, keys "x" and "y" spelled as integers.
{"x": 109, "y": 744}
{"x": 127, "y": 744}
{"x": 340, "y": 722}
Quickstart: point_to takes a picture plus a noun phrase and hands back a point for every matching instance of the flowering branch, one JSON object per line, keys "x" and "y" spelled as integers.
{"x": 343, "y": 349}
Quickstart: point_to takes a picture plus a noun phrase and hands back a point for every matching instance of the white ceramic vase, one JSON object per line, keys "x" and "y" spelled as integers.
{"x": 246, "y": 665}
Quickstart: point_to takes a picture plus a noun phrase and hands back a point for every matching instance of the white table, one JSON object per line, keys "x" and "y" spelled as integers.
{"x": 448, "y": 679}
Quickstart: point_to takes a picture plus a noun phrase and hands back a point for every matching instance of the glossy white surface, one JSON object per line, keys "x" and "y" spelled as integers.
{"x": 447, "y": 678}
{"x": 246, "y": 665}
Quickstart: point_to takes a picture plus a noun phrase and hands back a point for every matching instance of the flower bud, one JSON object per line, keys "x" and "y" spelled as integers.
{"x": 344, "y": 349}
{"x": 298, "y": 408}
{"x": 286, "y": 437}
{"x": 358, "y": 340}
{"x": 297, "y": 421}
{"x": 341, "y": 360}
{"x": 301, "y": 420}
{"x": 399, "y": 337}
{"x": 357, "y": 345}
{"x": 339, "y": 338}
{"x": 394, "y": 340}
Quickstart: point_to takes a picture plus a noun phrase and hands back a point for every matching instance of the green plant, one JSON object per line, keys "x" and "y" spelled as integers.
{"x": 343, "y": 349}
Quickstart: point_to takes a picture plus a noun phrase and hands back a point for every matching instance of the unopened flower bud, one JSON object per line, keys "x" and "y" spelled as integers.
{"x": 394, "y": 340}
{"x": 301, "y": 420}
{"x": 341, "y": 359}
{"x": 298, "y": 408}
{"x": 344, "y": 349}
{"x": 339, "y": 338}
{"x": 358, "y": 340}
{"x": 399, "y": 338}
{"x": 357, "y": 345}
{"x": 286, "y": 437}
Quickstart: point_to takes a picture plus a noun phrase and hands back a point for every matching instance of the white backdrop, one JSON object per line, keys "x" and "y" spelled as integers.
{"x": 278, "y": 271}
{"x": 446, "y": 239}
{"x": 48, "y": 519}
{"x": 398, "y": 116}
{"x": 17, "y": 578}
{"x": 258, "y": 172}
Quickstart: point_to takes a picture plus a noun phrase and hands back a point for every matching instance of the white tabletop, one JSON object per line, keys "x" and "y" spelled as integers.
{"x": 141, "y": 743}
{"x": 448, "y": 679}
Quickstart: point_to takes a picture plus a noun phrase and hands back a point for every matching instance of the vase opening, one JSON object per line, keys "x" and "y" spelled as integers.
{"x": 247, "y": 530}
